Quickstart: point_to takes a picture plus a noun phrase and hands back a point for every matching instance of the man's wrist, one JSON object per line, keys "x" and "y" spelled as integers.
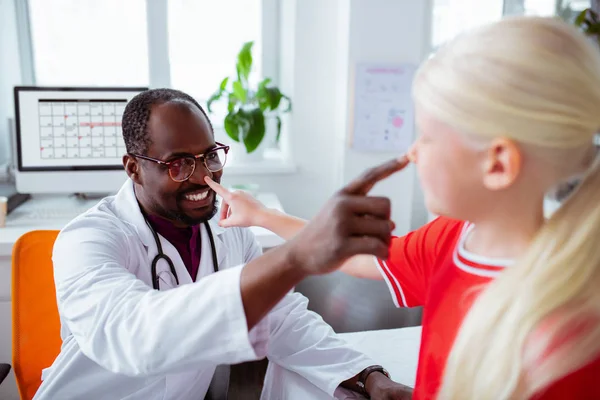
{"x": 292, "y": 262}
{"x": 371, "y": 377}
{"x": 373, "y": 380}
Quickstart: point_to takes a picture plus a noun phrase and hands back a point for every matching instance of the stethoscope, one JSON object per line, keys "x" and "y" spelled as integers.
{"x": 162, "y": 256}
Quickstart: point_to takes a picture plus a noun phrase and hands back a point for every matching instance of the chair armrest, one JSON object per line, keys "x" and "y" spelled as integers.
{"x": 4, "y": 370}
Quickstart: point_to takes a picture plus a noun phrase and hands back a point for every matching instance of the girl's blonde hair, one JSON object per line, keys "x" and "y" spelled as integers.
{"x": 537, "y": 81}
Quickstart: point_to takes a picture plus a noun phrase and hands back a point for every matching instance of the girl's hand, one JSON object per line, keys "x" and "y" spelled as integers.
{"x": 239, "y": 208}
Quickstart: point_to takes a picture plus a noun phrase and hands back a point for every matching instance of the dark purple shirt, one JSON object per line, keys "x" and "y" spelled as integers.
{"x": 186, "y": 240}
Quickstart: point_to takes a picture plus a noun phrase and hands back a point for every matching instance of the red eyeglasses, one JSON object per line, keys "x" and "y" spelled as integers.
{"x": 180, "y": 169}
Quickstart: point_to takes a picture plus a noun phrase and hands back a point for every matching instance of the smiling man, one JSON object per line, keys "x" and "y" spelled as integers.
{"x": 153, "y": 295}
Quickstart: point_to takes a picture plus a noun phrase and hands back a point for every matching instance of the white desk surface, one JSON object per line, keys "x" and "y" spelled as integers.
{"x": 17, "y": 225}
{"x": 397, "y": 350}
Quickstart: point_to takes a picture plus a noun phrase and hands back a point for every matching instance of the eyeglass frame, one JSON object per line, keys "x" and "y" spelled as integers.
{"x": 220, "y": 146}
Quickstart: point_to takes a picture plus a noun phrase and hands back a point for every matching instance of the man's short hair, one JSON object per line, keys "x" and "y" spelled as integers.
{"x": 137, "y": 113}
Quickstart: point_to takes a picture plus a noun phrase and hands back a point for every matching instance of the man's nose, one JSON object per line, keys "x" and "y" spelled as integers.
{"x": 200, "y": 172}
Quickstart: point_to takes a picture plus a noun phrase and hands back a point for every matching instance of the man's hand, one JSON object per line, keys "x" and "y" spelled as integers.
{"x": 380, "y": 387}
{"x": 350, "y": 223}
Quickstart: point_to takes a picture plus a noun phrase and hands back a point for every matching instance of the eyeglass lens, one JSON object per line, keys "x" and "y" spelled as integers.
{"x": 181, "y": 169}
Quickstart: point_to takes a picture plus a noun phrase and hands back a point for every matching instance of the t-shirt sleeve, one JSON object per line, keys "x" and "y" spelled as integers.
{"x": 412, "y": 259}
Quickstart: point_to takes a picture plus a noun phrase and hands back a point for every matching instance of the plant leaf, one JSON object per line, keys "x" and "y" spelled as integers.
{"x": 261, "y": 95}
{"x": 232, "y": 101}
{"x": 217, "y": 95}
{"x": 232, "y": 127}
{"x": 264, "y": 83}
{"x": 593, "y": 28}
{"x": 223, "y": 84}
{"x": 256, "y": 132}
{"x": 268, "y": 98}
{"x": 593, "y": 16}
{"x": 214, "y": 97}
{"x": 245, "y": 125}
{"x": 278, "y": 118}
{"x": 275, "y": 96}
{"x": 289, "y": 101}
{"x": 239, "y": 91}
{"x": 581, "y": 17}
{"x": 244, "y": 61}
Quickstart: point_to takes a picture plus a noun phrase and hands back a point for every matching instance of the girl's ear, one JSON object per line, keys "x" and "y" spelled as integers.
{"x": 132, "y": 167}
{"x": 502, "y": 164}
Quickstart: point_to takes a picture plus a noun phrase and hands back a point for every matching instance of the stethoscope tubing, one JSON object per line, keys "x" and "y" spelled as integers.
{"x": 162, "y": 256}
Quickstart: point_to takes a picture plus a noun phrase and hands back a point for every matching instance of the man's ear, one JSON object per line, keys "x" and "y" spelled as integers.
{"x": 502, "y": 164}
{"x": 132, "y": 167}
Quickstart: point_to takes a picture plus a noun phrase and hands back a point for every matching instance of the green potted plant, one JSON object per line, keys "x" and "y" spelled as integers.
{"x": 589, "y": 22}
{"x": 250, "y": 108}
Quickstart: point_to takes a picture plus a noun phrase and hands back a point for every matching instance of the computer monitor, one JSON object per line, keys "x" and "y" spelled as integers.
{"x": 69, "y": 139}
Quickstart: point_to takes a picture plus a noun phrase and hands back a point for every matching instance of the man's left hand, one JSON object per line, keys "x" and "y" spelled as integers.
{"x": 380, "y": 387}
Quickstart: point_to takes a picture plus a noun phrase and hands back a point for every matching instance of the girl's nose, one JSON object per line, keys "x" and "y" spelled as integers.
{"x": 412, "y": 153}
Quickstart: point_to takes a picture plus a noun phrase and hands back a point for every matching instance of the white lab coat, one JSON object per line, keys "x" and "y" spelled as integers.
{"x": 124, "y": 340}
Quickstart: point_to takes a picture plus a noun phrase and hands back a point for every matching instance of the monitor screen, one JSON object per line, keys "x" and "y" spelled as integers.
{"x": 69, "y": 140}
{"x": 70, "y": 128}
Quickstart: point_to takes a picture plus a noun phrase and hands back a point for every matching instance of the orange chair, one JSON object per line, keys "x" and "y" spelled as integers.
{"x": 36, "y": 325}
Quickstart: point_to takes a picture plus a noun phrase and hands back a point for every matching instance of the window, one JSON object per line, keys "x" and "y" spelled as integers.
{"x": 89, "y": 42}
{"x": 106, "y": 43}
{"x": 204, "y": 39}
{"x": 545, "y": 7}
{"x": 198, "y": 64}
{"x": 451, "y": 17}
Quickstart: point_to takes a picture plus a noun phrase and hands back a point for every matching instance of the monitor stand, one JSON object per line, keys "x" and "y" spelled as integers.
{"x": 15, "y": 199}
{"x": 90, "y": 196}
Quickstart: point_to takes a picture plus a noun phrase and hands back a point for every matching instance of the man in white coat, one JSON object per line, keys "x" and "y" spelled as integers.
{"x": 153, "y": 295}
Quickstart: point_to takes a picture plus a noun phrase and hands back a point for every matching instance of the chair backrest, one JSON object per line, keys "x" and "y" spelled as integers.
{"x": 36, "y": 325}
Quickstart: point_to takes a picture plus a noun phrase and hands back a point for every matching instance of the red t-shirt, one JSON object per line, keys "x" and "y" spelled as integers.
{"x": 430, "y": 267}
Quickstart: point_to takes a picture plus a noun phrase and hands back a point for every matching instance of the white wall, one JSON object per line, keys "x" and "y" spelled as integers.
{"x": 10, "y": 73}
{"x": 321, "y": 42}
{"x": 389, "y": 31}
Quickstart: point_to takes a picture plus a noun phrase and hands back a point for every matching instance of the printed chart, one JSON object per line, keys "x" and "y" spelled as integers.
{"x": 81, "y": 128}
{"x": 383, "y": 109}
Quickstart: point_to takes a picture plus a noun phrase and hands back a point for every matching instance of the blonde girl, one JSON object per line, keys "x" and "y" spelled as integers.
{"x": 511, "y": 300}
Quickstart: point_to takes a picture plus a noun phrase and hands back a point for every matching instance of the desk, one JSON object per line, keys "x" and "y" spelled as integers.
{"x": 19, "y": 223}
{"x": 397, "y": 350}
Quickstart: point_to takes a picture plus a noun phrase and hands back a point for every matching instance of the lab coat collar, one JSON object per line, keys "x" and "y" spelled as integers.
{"x": 129, "y": 211}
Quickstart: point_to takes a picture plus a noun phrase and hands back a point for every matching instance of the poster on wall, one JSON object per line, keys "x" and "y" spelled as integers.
{"x": 383, "y": 117}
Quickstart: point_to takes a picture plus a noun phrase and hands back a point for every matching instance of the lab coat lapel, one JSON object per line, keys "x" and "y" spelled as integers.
{"x": 206, "y": 266}
{"x": 129, "y": 212}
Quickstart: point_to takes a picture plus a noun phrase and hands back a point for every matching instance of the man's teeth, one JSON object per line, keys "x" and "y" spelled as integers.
{"x": 197, "y": 196}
